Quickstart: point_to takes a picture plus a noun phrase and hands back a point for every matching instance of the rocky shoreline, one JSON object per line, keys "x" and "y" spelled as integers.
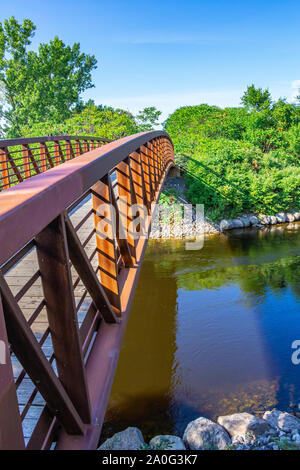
{"x": 259, "y": 220}
{"x": 276, "y": 430}
{"x": 175, "y": 227}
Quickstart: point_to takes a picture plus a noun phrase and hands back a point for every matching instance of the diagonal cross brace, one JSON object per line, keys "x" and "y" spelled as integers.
{"x": 85, "y": 271}
{"x": 32, "y": 358}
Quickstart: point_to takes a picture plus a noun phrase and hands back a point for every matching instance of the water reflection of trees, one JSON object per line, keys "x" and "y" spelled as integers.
{"x": 257, "y": 261}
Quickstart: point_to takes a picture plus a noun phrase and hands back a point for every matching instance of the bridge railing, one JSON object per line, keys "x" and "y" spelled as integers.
{"x": 22, "y": 158}
{"x": 66, "y": 286}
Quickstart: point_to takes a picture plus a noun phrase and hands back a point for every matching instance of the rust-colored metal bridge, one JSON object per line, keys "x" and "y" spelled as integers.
{"x": 67, "y": 278}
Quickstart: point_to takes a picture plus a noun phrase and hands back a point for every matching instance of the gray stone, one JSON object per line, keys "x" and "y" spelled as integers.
{"x": 242, "y": 423}
{"x": 203, "y": 434}
{"x": 225, "y": 225}
{"x": 130, "y": 439}
{"x": 237, "y": 223}
{"x": 253, "y": 220}
{"x": 273, "y": 220}
{"x": 167, "y": 443}
{"x": 246, "y": 220}
{"x": 284, "y": 421}
{"x": 281, "y": 217}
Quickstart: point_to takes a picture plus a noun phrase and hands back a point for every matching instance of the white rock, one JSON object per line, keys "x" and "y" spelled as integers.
{"x": 296, "y": 216}
{"x": 290, "y": 217}
{"x": 242, "y": 423}
{"x": 167, "y": 443}
{"x": 264, "y": 219}
{"x": 203, "y": 434}
{"x": 282, "y": 420}
{"x": 130, "y": 439}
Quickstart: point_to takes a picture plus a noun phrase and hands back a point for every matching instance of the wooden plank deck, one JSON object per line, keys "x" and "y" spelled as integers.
{"x": 16, "y": 278}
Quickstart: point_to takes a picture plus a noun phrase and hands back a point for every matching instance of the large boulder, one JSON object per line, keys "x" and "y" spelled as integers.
{"x": 253, "y": 220}
{"x": 296, "y": 216}
{"x": 167, "y": 443}
{"x": 273, "y": 220}
{"x": 246, "y": 219}
{"x": 225, "y": 225}
{"x": 282, "y": 420}
{"x": 204, "y": 434}
{"x": 264, "y": 219}
{"x": 237, "y": 223}
{"x": 290, "y": 217}
{"x": 241, "y": 423}
{"x": 281, "y": 217}
{"x": 130, "y": 439}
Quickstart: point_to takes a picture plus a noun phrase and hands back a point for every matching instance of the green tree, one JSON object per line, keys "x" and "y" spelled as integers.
{"x": 284, "y": 114}
{"x": 43, "y": 85}
{"x": 147, "y": 119}
{"x": 256, "y": 99}
{"x": 92, "y": 120}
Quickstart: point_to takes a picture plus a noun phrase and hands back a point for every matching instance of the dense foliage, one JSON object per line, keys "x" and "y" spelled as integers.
{"x": 240, "y": 159}
{"x": 101, "y": 121}
{"x": 92, "y": 120}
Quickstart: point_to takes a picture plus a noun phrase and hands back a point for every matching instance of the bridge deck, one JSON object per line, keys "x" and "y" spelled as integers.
{"x": 16, "y": 278}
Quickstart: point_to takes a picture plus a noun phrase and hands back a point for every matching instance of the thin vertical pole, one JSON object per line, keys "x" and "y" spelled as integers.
{"x": 26, "y": 162}
{"x": 4, "y": 168}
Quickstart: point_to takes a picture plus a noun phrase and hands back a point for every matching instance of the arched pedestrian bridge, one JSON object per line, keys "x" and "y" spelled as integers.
{"x": 69, "y": 266}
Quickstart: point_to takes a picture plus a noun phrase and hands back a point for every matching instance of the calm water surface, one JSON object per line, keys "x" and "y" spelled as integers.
{"x": 210, "y": 332}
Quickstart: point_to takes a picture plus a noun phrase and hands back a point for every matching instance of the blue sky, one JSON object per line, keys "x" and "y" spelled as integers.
{"x": 172, "y": 53}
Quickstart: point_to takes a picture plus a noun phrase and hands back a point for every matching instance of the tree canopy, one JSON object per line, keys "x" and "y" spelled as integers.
{"x": 94, "y": 120}
{"x": 147, "y": 119}
{"x": 39, "y": 86}
{"x": 256, "y": 98}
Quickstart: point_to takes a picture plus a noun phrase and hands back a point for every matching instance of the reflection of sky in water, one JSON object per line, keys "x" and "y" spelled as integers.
{"x": 210, "y": 332}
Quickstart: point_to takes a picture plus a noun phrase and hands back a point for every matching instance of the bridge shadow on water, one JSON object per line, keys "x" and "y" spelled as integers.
{"x": 210, "y": 332}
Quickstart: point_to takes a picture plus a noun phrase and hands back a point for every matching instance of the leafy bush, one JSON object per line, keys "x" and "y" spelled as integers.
{"x": 106, "y": 122}
{"x": 239, "y": 160}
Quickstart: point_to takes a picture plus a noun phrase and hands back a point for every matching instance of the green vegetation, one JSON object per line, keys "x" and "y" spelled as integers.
{"x": 101, "y": 121}
{"x": 92, "y": 120}
{"x": 240, "y": 159}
